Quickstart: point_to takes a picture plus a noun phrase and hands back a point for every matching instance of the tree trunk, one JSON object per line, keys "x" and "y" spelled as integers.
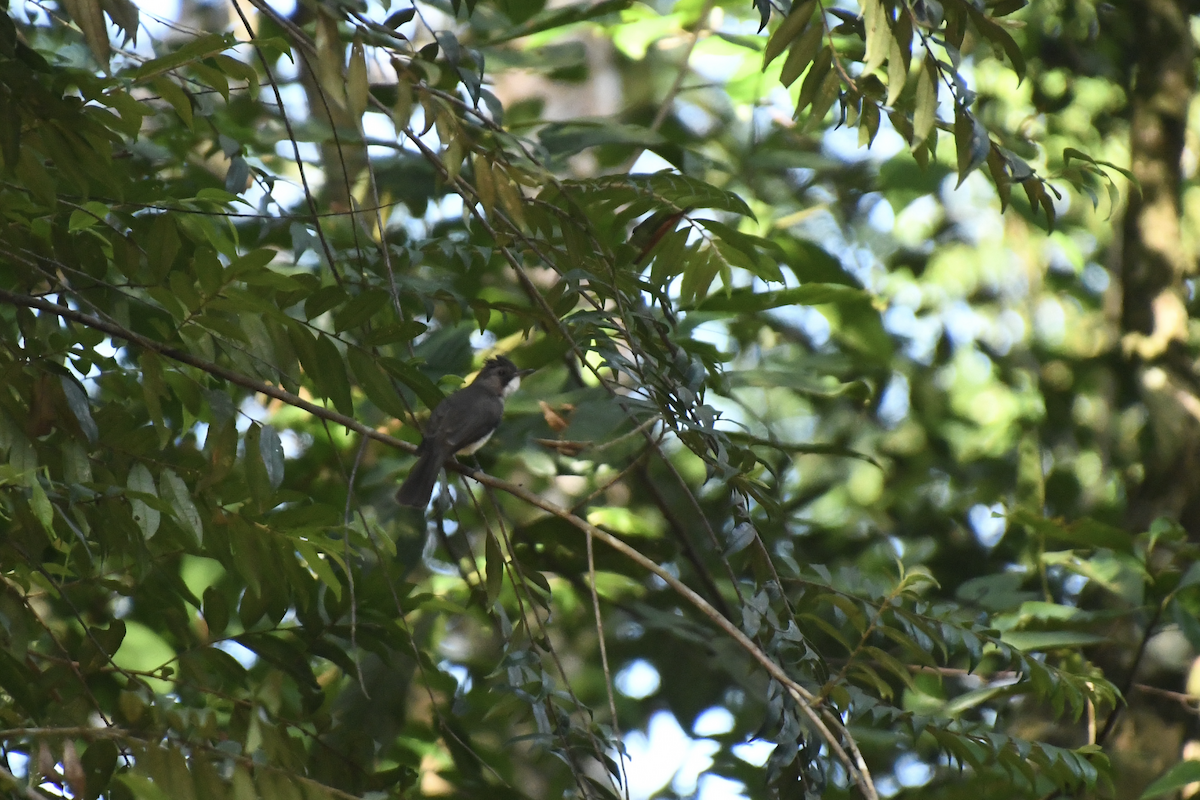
{"x": 1154, "y": 264}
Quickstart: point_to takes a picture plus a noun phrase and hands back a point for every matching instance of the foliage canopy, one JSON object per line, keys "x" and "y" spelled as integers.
{"x": 863, "y": 454}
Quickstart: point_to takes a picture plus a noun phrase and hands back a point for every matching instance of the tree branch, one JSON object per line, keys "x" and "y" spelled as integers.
{"x": 219, "y": 371}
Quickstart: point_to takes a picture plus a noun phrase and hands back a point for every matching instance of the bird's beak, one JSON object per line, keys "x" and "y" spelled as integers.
{"x": 524, "y": 372}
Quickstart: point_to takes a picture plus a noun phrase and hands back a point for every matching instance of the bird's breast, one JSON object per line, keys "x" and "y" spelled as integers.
{"x": 471, "y": 448}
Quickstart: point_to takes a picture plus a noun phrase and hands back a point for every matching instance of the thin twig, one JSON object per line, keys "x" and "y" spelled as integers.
{"x": 608, "y": 683}
{"x": 287, "y": 124}
{"x": 362, "y": 448}
{"x": 1111, "y": 722}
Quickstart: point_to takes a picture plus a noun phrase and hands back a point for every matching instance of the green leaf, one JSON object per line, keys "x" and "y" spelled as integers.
{"x": 668, "y": 257}
{"x": 252, "y": 262}
{"x": 270, "y": 447}
{"x": 815, "y": 79}
{"x": 568, "y": 138}
{"x": 209, "y": 785}
{"x": 10, "y": 133}
{"x": 926, "y": 103}
{"x": 84, "y": 218}
{"x": 221, "y": 448}
{"x": 40, "y": 504}
{"x": 357, "y": 88}
{"x": 375, "y": 384}
{"x": 80, "y": 406}
{"x": 700, "y": 269}
{"x": 242, "y": 785}
{"x": 1174, "y": 779}
{"x": 791, "y": 27}
{"x": 178, "y": 776}
{"x": 758, "y": 263}
{"x": 256, "y": 471}
{"x": 414, "y": 379}
{"x": 216, "y": 611}
{"x": 1082, "y": 533}
{"x": 153, "y": 388}
{"x": 142, "y": 787}
{"x": 360, "y": 309}
{"x": 803, "y": 447}
{"x": 320, "y": 566}
{"x": 172, "y": 488}
{"x": 971, "y": 142}
{"x": 89, "y": 16}
{"x": 322, "y": 300}
{"x": 215, "y": 196}
{"x": 748, "y": 301}
{"x": 495, "y": 567}
{"x": 171, "y": 92}
{"x": 1030, "y": 641}
{"x": 77, "y": 467}
{"x": 394, "y": 332}
{"x": 99, "y": 761}
{"x": 1071, "y": 152}
{"x": 996, "y": 33}
{"x": 331, "y": 375}
{"x": 237, "y": 69}
{"x": 398, "y": 18}
{"x": 558, "y": 17}
{"x": 899, "y": 55}
{"x": 162, "y": 245}
{"x": 878, "y": 35}
{"x": 974, "y": 698}
{"x": 195, "y": 50}
{"x": 31, "y": 172}
{"x": 147, "y": 518}
{"x": 802, "y": 54}
{"x": 282, "y": 653}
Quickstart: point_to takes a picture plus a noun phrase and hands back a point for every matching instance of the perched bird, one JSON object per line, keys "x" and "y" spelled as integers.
{"x": 461, "y": 424}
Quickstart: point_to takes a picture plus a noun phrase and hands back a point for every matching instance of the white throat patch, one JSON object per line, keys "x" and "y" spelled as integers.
{"x": 511, "y": 386}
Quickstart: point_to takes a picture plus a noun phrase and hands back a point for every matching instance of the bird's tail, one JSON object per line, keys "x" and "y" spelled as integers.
{"x": 418, "y": 486}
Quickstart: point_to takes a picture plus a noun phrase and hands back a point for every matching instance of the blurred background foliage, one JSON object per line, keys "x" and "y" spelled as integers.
{"x": 845, "y": 471}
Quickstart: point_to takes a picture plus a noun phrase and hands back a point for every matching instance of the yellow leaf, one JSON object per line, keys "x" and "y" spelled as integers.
{"x": 878, "y": 35}
{"x": 510, "y": 196}
{"x": 357, "y": 90}
{"x": 402, "y": 110}
{"x": 485, "y": 186}
{"x": 427, "y": 103}
{"x": 89, "y": 16}
{"x": 446, "y": 123}
{"x": 923, "y": 113}
{"x": 329, "y": 60}
{"x": 452, "y": 159}
{"x": 897, "y": 70}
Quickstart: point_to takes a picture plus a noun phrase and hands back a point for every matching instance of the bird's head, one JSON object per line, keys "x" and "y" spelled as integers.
{"x": 501, "y": 375}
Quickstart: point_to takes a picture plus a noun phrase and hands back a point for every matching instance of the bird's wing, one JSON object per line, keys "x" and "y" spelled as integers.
{"x": 486, "y": 411}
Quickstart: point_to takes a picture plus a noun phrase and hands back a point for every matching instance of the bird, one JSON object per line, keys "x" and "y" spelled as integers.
{"x": 460, "y": 424}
